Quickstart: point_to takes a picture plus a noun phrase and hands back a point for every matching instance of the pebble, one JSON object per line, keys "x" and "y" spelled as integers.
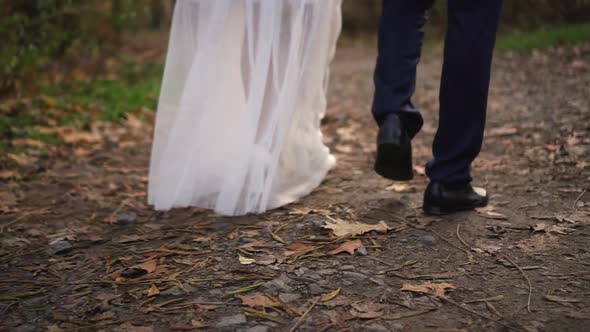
{"x": 60, "y": 247}
{"x": 362, "y": 251}
{"x": 126, "y": 217}
{"x": 232, "y": 320}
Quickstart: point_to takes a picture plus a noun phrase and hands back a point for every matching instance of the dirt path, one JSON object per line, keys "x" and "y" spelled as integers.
{"x": 81, "y": 250}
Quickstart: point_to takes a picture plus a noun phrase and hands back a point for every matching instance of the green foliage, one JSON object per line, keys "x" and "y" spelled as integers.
{"x": 78, "y": 104}
{"x": 33, "y": 32}
{"x": 544, "y": 38}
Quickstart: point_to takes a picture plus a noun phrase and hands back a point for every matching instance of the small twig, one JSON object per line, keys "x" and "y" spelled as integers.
{"x": 460, "y": 238}
{"x": 528, "y": 304}
{"x": 480, "y": 315}
{"x": 111, "y": 218}
{"x": 578, "y": 199}
{"x": 487, "y": 299}
{"x": 243, "y": 290}
{"x": 467, "y": 252}
{"x": 300, "y": 320}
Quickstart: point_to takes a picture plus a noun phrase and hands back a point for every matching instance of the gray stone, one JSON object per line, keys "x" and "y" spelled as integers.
{"x": 346, "y": 268}
{"x": 60, "y": 247}
{"x": 126, "y": 217}
{"x": 362, "y": 251}
{"x": 279, "y": 285}
{"x": 232, "y": 320}
{"x": 314, "y": 289}
{"x": 185, "y": 289}
{"x": 376, "y": 328}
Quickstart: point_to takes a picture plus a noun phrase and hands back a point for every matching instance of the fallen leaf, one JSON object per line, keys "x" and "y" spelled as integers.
{"x": 297, "y": 248}
{"x": 349, "y": 247}
{"x": 104, "y": 316}
{"x": 503, "y": 131}
{"x": 258, "y": 300}
{"x": 7, "y": 174}
{"x": 153, "y": 291}
{"x": 538, "y": 227}
{"x": 135, "y": 238}
{"x": 28, "y": 142}
{"x": 22, "y": 160}
{"x": 367, "y": 315}
{"x": 488, "y": 212}
{"x": 429, "y": 288}
{"x": 343, "y": 228}
{"x": 255, "y": 244}
{"x": 7, "y": 199}
{"x": 420, "y": 170}
{"x": 245, "y": 260}
{"x": 197, "y": 324}
{"x": 329, "y": 296}
{"x": 149, "y": 266}
{"x": 366, "y": 310}
{"x": 401, "y": 188}
{"x": 72, "y": 137}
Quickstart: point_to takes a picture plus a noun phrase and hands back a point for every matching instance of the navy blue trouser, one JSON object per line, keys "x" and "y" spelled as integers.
{"x": 469, "y": 45}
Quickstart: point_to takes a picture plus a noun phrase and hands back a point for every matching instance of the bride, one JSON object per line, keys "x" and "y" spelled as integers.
{"x": 244, "y": 90}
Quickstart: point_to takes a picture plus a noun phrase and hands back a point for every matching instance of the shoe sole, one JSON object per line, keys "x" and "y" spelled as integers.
{"x": 442, "y": 211}
{"x": 390, "y": 155}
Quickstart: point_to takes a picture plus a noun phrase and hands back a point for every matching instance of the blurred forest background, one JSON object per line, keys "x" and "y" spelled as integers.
{"x": 102, "y": 58}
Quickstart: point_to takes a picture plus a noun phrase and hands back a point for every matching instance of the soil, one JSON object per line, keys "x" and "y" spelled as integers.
{"x": 81, "y": 249}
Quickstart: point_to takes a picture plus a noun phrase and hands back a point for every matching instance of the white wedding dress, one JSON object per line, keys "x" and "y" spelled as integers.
{"x": 244, "y": 90}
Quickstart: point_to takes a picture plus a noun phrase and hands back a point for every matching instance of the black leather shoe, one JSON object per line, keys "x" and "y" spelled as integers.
{"x": 394, "y": 150}
{"x": 441, "y": 199}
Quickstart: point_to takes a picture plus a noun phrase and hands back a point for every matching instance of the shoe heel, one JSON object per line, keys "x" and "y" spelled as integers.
{"x": 388, "y": 161}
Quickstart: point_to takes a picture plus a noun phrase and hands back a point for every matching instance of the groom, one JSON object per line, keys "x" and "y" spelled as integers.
{"x": 463, "y": 97}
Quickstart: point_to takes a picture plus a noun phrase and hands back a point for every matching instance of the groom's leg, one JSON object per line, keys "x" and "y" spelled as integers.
{"x": 400, "y": 42}
{"x": 465, "y": 81}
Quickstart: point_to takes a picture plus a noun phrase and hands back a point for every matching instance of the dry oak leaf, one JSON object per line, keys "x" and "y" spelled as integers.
{"x": 349, "y": 247}
{"x": 429, "y": 288}
{"x": 149, "y": 266}
{"x": 343, "y": 228}
{"x": 297, "y": 248}
{"x": 258, "y": 300}
{"x": 153, "y": 291}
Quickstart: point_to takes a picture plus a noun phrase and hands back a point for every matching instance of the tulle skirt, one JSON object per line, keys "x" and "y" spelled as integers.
{"x": 244, "y": 91}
